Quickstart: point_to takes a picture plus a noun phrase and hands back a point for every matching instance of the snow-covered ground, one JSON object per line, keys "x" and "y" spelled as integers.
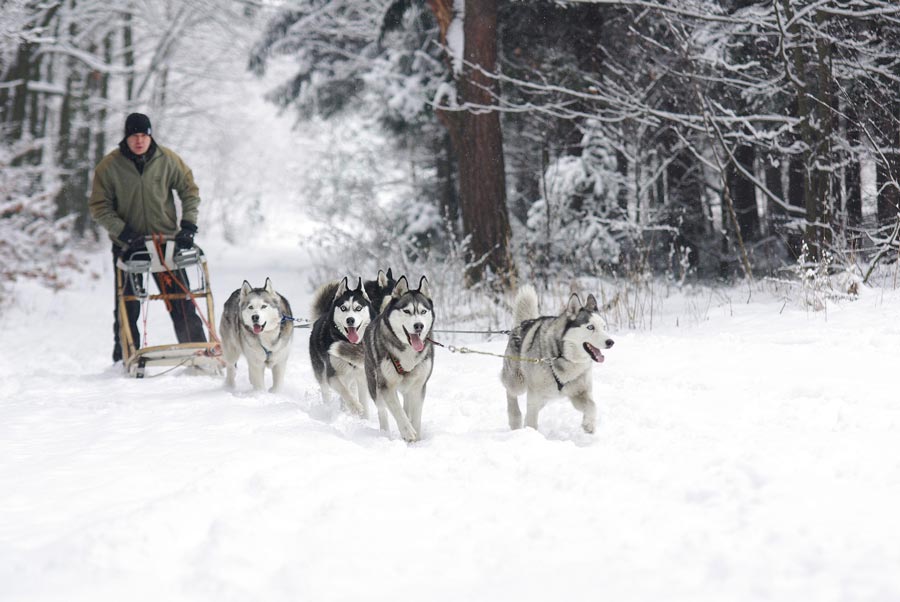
{"x": 749, "y": 456}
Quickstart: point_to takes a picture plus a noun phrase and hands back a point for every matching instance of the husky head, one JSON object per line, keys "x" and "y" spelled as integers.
{"x": 379, "y": 290}
{"x": 585, "y": 333}
{"x": 351, "y": 310}
{"x": 410, "y": 313}
{"x": 260, "y": 308}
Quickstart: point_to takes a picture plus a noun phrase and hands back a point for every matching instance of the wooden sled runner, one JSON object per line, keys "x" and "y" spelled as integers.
{"x": 162, "y": 256}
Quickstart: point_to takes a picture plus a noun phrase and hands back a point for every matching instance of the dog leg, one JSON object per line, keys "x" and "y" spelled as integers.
{"x": 362, "y": 394}
{"x": 584, "y": 404}
{"x": 513, "y": 411}
{"x": 326, "y": 396}
{"x": 382, "y": 415}
{"x": 258, "y": 375}
{"x": 230, "y": 373}
{"x": 349, "y": 400}
{"x": 534, "y": 404}
{"x": 277, "y": 377}
{"x": 415, "y": 401}
{"x": 403, "y": 424}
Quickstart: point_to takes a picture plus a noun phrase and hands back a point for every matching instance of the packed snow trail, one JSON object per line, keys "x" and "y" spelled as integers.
{"x": 752, "y": 456}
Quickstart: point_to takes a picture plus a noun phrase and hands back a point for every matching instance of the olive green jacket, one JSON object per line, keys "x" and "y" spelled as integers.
{"x": 121, "y": 195}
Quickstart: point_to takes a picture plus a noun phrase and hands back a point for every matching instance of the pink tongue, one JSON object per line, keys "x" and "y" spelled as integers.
{"x": 416, "y": 342}
{"x": 351, "y": 334}
{"x": 595, "y": 354}
{"x": 257, "y": 328}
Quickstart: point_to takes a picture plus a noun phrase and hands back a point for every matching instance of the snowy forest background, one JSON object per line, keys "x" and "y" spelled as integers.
{"x": 692, "y": 139}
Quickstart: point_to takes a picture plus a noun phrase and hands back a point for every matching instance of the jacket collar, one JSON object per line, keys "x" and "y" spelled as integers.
{"x": 139, "y": 160}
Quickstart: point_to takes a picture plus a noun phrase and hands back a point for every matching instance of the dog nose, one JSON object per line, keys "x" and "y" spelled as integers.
{"x": 351, "y": 321}
{"x": 418, "y": 327}
{"x": 610, "y": 343}
{"x": 255, "y": 317}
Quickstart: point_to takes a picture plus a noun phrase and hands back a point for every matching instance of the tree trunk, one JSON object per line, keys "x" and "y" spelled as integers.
{"x": 478, "y": 143}
{"x": 853, "y": 175}
{"x": 888, "y": 169}
{"x": 743, "y": 193}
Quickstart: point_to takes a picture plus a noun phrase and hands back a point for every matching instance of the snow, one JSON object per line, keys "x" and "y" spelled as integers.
{"x": 748, "y": 455}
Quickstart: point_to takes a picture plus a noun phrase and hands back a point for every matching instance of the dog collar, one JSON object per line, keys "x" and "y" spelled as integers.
{"x": 397, "y": 366}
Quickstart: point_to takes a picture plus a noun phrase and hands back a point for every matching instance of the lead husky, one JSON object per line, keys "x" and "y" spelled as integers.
{"x": 256, "y": 323}
{"x": 569, "y": 343}
{"x": 398, "y": 357}
{"x": 341, "y": 314}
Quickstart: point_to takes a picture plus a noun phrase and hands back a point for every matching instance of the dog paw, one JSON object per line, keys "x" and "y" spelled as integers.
{"x": 410, "y": 436}
{"x": 588, "y": 427}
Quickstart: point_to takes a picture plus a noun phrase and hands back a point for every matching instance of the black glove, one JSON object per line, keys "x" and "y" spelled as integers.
{"x": 185, "y": 237}
{"x": 134, "y": 242}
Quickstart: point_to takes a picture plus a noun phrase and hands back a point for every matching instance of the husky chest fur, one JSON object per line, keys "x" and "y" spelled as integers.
{"x": 567, "y": 345}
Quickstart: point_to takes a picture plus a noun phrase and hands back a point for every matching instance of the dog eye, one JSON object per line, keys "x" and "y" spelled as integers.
{"x": 590, "y": 327}
{"x": 407, "y": 312}
{"x": 423, "y": 312}
{"x": 343, "y": 308}
{"x": 357, "y": 308}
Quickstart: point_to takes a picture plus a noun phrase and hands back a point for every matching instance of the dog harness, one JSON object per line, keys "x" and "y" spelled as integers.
{"x": 397, "y": 366}
{"x": 268, "y": 352}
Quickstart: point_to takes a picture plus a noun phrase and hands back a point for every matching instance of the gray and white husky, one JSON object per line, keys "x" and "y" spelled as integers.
{"x": 341, "y": 314}
{"x": 569, "y": 344}
{"x": 398, "y": 357}
{"x": 256, "y": 324}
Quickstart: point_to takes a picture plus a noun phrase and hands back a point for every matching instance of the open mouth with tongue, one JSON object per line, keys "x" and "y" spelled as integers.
{"x": 352, "y": 335}
{"x": 594, "y": 353}
{"x": 258, "y": 328}
{"x": 415, "y": 340}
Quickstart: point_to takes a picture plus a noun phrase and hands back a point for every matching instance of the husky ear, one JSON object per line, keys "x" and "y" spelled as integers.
{"x": 591, "y": 304}
{"x": 401, "y": 288}
{"x": 390, "y": 275}
{"x": 423, "y": 286}
{"x": 574, "y": 305}
{"x": 362, "y": 290}
{"x": 382, "y": 279}
{"x": 269, "y": 288}
{"x": 341, "y": 289}
{"x": 245, "y": 289}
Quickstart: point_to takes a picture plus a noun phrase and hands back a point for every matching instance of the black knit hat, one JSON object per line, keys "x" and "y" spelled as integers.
{"x": 137, "y": 123}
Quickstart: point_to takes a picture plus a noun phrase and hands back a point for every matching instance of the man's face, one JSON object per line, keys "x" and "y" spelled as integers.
{"x": 138, "y": 143}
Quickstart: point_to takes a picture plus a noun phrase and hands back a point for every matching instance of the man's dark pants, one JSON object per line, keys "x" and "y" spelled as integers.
{"x": 188, "y": 325}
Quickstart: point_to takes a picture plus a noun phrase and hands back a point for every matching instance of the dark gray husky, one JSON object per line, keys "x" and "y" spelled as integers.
{"x": 398, "y": 357}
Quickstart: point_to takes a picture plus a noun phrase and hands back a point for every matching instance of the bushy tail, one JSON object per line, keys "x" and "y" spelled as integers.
{"x": 525, "y": 307}
{"x": 355, "y": 355}
{"x": 322, "y": 299}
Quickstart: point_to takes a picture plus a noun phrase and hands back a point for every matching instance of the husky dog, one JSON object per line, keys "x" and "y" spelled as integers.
{"x": 256, "y": 323}
{"x": 340, "y": 314}
{"x": 569, "y": 344}
{"x": 379, "y": 289}
{"x": 398, "y": 357}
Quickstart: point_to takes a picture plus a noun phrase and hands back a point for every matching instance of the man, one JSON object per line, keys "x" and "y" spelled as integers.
{"x": 131, "y": 198}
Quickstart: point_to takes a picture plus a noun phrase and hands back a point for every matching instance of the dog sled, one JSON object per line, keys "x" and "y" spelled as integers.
{"x": 162, "y": 258}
